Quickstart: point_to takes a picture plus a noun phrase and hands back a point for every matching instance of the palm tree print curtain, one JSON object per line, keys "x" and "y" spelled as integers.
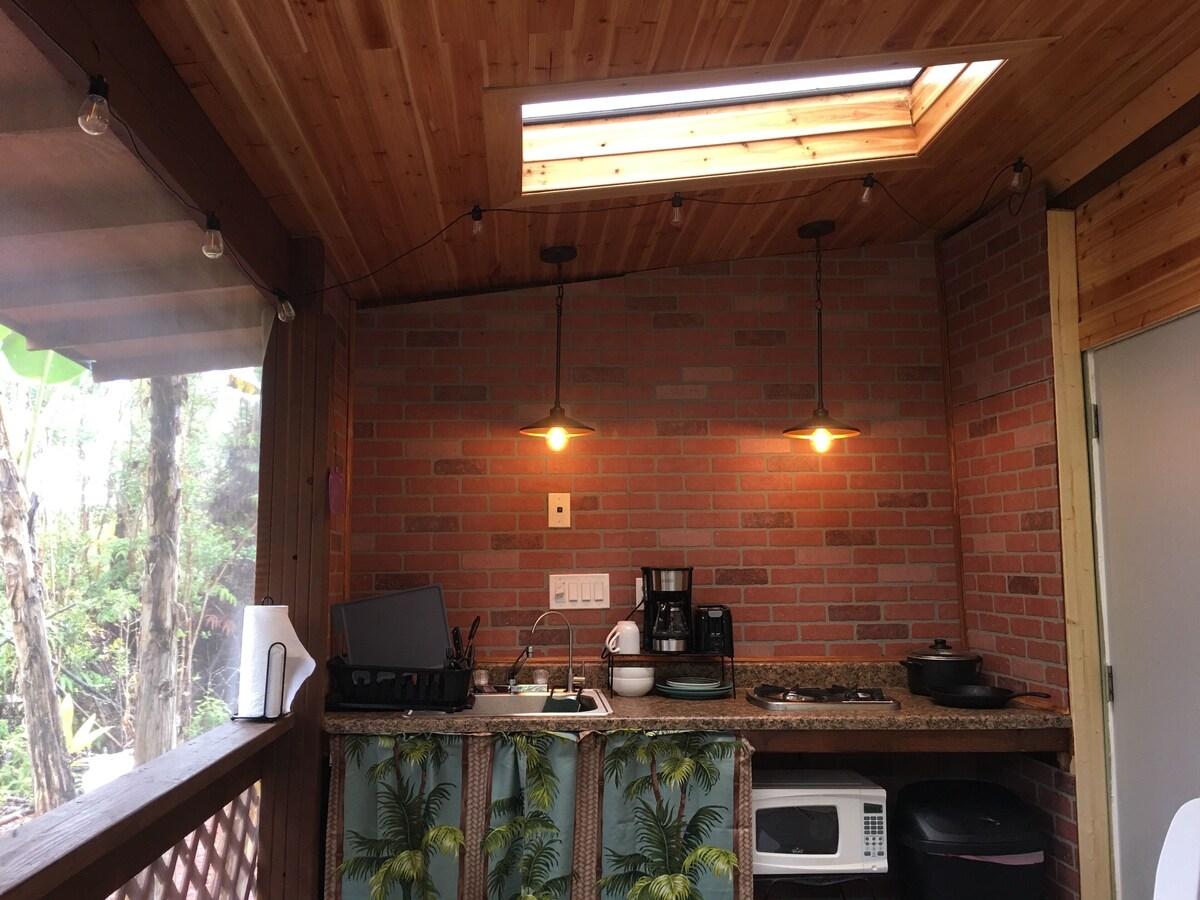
{"x": 402, "y": 804}
{"x": 668, "y": 814}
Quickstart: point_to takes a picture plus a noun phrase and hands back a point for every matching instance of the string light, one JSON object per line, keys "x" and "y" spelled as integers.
{"x": 214, "y": 244}
{"x": 677, "y": 210}
{"x": 868, "y": 191}
{"x": 93, "y": 114}
{"x": 476, "y": 221}
{"x": 1020, "y": 170}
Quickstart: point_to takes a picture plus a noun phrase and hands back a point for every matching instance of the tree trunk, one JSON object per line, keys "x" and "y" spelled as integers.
{"x": 52, "y": 782}
{"x": 155, "y": 723}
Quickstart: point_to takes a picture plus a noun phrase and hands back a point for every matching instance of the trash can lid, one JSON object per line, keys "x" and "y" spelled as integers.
{"x": 975, "y": 818}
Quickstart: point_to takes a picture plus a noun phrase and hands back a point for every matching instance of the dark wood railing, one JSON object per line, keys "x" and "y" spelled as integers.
{"x": 170, "y": 815}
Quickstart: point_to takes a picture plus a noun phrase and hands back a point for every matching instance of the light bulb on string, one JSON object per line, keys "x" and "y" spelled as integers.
{"x": 93, "y": 114}
{"x": 284, "y": 311}
{"x": 677, "y": 210}
{"x": 476, "y": 221}
{"x": 868, "y": 191}
{"x": 1020, "y": 174}
{"x": 214, "y": 245}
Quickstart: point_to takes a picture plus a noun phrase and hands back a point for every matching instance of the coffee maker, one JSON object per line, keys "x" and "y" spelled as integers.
{"x": 667, "y": 601}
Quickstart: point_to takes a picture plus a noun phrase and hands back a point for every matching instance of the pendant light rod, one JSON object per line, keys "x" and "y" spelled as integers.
{"x": 820, "y": 428}
{"x": 557, "y": 428}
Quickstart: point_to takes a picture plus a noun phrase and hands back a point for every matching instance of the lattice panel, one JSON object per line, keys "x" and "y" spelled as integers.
{"x": 217, "y": 861}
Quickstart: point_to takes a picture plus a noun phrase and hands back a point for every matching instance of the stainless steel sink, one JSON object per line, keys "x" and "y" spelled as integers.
{"x": 533, "y": 703}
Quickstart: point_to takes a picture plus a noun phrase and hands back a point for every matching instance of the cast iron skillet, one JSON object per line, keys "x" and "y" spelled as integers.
{"x": 977, "y": 696}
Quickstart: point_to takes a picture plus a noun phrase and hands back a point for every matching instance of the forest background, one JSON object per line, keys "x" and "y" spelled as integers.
{"x": 90, "y": 463}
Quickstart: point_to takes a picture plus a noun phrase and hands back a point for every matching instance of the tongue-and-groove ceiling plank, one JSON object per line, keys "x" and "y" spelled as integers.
{"x": 363, "y": 124}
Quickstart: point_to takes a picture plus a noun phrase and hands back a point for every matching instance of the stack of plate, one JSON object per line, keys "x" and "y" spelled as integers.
{"x": 693, "y": 687}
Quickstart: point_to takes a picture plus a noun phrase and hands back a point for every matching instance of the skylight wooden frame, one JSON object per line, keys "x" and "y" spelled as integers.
{"x": 738, "y": 143}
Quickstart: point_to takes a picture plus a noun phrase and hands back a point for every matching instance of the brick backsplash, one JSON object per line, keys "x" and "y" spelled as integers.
{"x": 689, "y": 377}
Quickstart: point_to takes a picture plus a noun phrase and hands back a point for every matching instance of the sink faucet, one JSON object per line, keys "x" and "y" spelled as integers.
{"x": 570, "y": 644}
{"x": 518, "y": 664}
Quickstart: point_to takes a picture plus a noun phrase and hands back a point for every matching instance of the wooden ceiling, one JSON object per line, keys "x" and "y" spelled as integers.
{"x": 98, "y": 260}
{"x": 361, "y": 121}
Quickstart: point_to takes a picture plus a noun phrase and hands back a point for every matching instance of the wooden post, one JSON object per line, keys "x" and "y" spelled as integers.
{"x": 304, "y": 360}
{"x": 1084, "y": 663}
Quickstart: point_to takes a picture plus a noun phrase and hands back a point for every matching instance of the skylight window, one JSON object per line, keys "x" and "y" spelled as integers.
{"x": 715, "y": 95}
{"x": 690, "y": 130}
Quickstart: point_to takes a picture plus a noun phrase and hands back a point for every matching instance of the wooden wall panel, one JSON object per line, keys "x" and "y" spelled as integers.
{"x": 1139, "y": 247}
{"x": 305, "y": 359}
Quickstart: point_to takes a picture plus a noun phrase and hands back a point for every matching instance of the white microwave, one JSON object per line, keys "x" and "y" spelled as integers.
{"x": 818, "y": 822}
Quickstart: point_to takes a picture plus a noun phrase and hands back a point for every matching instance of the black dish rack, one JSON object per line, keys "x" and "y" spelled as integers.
{"x": 384, "y": 687}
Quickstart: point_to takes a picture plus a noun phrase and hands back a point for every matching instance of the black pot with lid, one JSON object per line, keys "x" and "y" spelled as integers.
{"x": 939, "y": 665}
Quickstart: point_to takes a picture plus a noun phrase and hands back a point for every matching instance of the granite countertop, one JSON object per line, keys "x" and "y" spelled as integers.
{"x": 734, "y": 713}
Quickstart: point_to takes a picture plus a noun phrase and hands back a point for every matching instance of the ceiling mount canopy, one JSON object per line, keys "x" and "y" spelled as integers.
{"x": 820, "y": 428}
{"x": 557, "y": 428}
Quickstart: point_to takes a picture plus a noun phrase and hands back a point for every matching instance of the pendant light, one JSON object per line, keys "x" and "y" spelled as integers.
{"x": 820, "y": 428}
{"x": 557, "y": 428}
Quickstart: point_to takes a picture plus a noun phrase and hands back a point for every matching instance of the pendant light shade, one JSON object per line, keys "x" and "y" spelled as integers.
{"x": 557, "y": 428}
{"x": 820, "y": 428}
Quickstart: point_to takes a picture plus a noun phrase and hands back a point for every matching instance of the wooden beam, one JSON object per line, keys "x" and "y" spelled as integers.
{"x": 235, "y": 355}
{"x": 1121, "y": 129}
{"x": 221, "y": 314}
{"x": 165, "y": 280}
{"x": 109, "y": 37}
{"x": 892, "y": 741}
{"x": 304, "y": 360}
{"x": 1084, "y": 663}
{"x": 104, "y": 838}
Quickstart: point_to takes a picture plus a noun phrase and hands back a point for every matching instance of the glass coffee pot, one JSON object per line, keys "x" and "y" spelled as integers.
{"x": 670, "y": 632}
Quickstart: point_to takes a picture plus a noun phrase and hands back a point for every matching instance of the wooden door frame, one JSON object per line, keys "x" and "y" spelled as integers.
{"x": 1085, "y": 660}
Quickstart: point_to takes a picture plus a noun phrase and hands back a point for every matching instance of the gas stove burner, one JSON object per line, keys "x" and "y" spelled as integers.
{"x": 836, "y": 696}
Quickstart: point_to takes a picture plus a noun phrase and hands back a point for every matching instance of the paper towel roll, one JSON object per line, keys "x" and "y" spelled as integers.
{"x": 265, "y": 687}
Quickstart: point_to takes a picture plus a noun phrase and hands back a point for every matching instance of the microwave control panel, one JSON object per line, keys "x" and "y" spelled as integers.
{"x": 874, "y": 834}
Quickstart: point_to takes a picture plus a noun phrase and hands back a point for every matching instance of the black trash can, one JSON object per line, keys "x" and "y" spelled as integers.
{"x": 960, "y": 839}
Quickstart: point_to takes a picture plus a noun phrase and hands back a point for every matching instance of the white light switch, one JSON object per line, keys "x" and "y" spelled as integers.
{"x": 579, "y": 591}
{"x": 560, "y": 510}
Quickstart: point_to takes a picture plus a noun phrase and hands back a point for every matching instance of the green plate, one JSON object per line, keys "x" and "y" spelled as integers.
{"x": 692, "y": 682}
{"x": 721, "y": 690}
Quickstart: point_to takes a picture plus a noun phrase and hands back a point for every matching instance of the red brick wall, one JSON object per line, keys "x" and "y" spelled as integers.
{"x": 1002, "y": 395}
{"x": 689, "y": 377}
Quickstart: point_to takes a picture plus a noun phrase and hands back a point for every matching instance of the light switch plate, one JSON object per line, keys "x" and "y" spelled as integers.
{"x": 560, "y": 510}
{"x": 579, "y": 591}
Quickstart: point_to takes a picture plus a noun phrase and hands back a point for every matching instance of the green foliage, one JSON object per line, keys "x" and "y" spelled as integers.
{"x": 81, "y": 738}
{"x": 87, "y": 468}
{"x": 45, "y": 366}
{"x": 16, "y": 776}
{"x": 210, "y": 711}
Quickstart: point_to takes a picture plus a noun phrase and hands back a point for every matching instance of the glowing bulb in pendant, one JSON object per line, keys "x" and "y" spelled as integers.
{"x": 93, "y": 114}
{"x": 214, "y": 244}
{"x": 556, "y": 438}
{"x": 822, "y": 440}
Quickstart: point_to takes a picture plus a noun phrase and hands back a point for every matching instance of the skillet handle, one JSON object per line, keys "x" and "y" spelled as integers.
{"x": 1041, "y": 694}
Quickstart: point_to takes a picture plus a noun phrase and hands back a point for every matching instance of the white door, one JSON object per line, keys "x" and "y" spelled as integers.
{"x": 1147, "y": 479}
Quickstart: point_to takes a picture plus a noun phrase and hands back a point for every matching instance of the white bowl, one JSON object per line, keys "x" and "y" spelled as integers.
{"x": 633, "y": 671}
{"x": 628, "y": 685}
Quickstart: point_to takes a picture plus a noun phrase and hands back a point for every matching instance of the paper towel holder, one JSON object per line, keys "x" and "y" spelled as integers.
{"x": 276, "y": 667}
{"x": 272, "y": 656}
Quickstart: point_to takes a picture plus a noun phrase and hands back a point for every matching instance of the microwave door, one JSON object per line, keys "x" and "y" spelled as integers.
{"x": 806, "y": 831}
